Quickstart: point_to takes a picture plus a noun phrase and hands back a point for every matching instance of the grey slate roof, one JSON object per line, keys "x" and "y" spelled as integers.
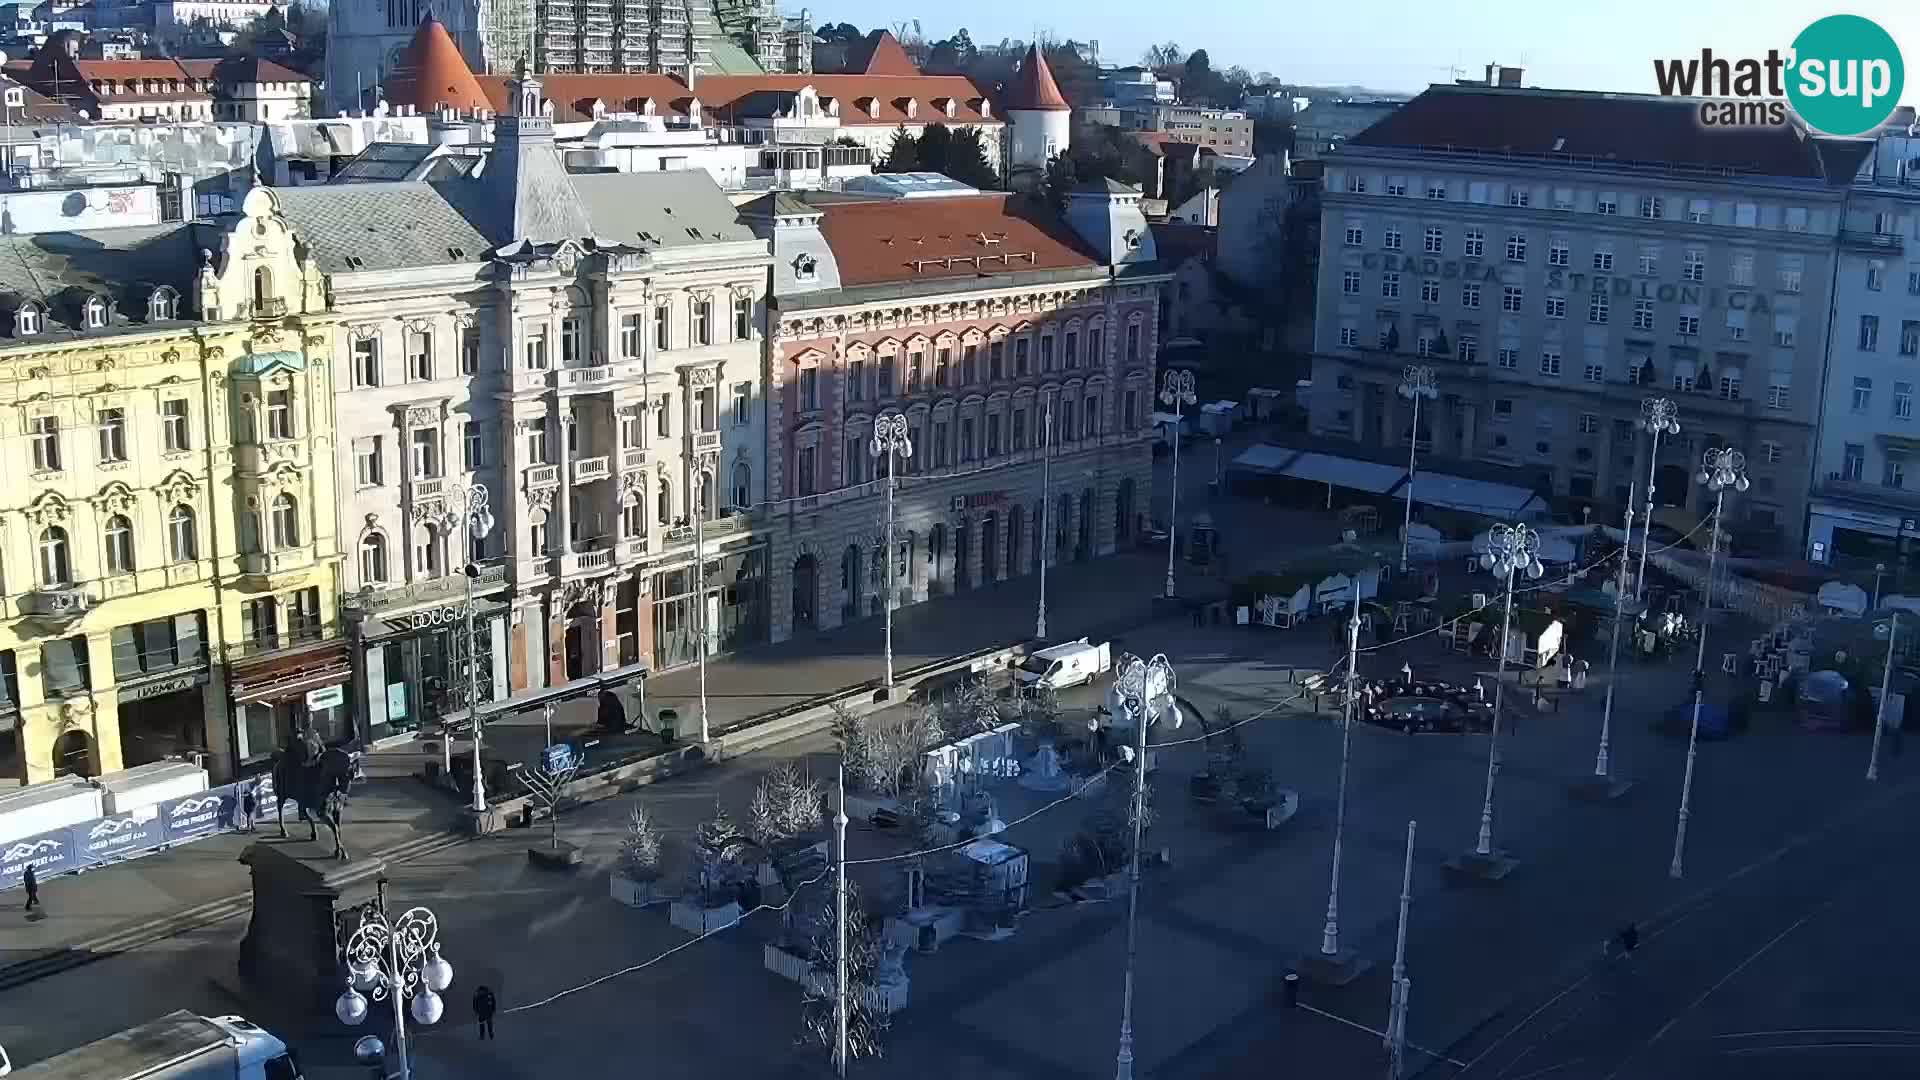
{"x": 522, "y": 192}
{"x": 380, "y": 226}
{"x": 659, "y": 209}
{"x": 777, "y": 204}
{"x": 59, "y": 271}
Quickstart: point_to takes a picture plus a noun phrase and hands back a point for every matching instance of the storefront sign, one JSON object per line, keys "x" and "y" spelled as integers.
{"x": 326, "y": 698}
{"x": 119, "y": 836}
{"x": 49, "y": 853}
{"x": 975, "y": 502}
{"x": 440, "y": 616}
{"x": 162, "y": 687}
{"x": 1443, "y": 268}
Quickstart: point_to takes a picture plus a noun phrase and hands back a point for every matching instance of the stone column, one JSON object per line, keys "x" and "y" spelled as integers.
{"x": 563, "y": 502}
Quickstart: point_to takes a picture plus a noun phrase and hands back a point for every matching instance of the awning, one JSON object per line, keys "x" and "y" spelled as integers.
{"x": 1264, "y": 458}
{"x": 291, "y": 676}
{"x": 1476, "y": 496}
{"x": 1342, "y": 472}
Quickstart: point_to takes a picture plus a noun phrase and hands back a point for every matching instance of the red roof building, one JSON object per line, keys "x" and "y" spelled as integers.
{"x": 432, "y": 74}
{"x": 1033, "y": 88}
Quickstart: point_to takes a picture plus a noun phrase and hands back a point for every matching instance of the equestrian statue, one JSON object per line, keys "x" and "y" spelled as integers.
{"x": 318, "y": 780}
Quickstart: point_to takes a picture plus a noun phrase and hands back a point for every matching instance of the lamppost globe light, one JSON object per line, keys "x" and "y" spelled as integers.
{"x": 369, "y": 1049}
{"x": 428, "y": 1007}
{"x": 437, "y": 972}
{"x": 351, "y": 1007}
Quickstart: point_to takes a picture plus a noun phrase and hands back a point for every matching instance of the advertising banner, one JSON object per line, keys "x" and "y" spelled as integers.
{"x": 117, "y": 837}
{"x": 195, "y": 816}
{"x": 49, "y": 853}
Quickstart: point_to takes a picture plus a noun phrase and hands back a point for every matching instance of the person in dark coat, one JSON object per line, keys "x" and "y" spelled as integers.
{"x": 613, "y": 715}
{"x": 31, "y": 882}
{"x": 483, "y": 1010}
{"x": 249, "y": 803}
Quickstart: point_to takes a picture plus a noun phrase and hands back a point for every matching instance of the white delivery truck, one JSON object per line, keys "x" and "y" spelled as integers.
{"x": 178, "y": 1046}
{"x": 1076, "y": 663}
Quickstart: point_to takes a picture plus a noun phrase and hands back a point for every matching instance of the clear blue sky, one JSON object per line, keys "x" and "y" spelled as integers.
{"x": 1405, "y": 44}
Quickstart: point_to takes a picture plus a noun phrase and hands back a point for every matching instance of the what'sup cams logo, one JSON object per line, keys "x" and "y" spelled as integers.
{"x": 1843, "y": 76}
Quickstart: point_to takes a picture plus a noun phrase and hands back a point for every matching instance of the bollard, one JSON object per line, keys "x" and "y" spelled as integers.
{"x": 1290, "y": 990}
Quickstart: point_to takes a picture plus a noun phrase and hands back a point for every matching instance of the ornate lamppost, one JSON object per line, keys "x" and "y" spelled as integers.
{"x": 466, "y": 509}
{"x": 1890, "y": 630}
{"x": 1512, "y": 551}
{"x": 892, "y": 443}
{"x": 1177, "y": 390}
{"x": 1416, "y": 386}
{"x": 1602, "y": 785}
{"x": 1658, "y": 416}
{"x": 1719, "y": 470}
{"x": 1145, "y": 691}
{"x": 388, "y": 960}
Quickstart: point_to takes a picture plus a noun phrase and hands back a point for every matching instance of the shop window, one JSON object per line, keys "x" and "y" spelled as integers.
{"x": 63, "y": 665}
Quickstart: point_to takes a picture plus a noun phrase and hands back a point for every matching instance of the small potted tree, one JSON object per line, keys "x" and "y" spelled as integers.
{"x": 712, "y": 898}
{"x": 784, "y": 819}
{"x": 635, "y": 877}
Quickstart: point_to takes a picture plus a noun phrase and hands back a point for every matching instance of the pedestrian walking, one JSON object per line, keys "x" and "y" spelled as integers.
{"x": 1566, "y": 673}
{"x": 249, "y": 803}
{"x": 483, "y": 1009}
{"x": 31, "y": 882}
{"x": 1580, "y": 669}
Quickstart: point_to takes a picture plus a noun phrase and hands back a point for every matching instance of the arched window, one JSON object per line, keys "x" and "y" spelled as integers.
{"x": 96, "y": 313}
{"x": 286, "y": 522}
{"x": 742, "y": 486}
{"x": 373, "y": 559}
{"x": 706, "y": 495}
{"x": 665, "y": 501}
{"x": 633, "y": 519}
{"x": 426, "y": 552}
{"x": 119, "y": 538}
{"x": 262, "y": 288}
{"x": 26, "y": 321}
{"x": 182, "y": 537}
{"x": 55, "y": 569}
{"x": 160, "y": 306}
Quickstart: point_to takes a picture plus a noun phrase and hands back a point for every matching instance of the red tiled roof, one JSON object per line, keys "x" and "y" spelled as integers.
{"x": 1033, "y": 87}
{"x": 573, "y": 95}
{"x": 432, "y": 73}
{"x": 718, "y": 92}
{"x": 122, "y": 70}
{"x": 880, "y": 54}
{"x": 960, "y": 237}
{"x": 1622, "y": 129}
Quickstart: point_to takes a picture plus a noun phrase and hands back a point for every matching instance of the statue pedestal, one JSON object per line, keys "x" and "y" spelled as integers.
{"x": 291, "y": 951}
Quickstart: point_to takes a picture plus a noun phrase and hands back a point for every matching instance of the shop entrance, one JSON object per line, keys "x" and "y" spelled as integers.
{"x": 583, "y": 642}
{"x": 73, "y": 755}
{"x": 162, "y": 726}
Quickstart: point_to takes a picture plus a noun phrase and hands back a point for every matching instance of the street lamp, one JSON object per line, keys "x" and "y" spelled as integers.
{"x": 1889, "y": 630}
{"x": 466, "y": 508}
{"x": 698, "y": 511}
{"x": 1396, "y": 1039}
{"x": 389, "y": 960}
{"x": 1512, "y": 550}
{"x": 1045, "y": 539}
{"x": 1340, "y": 966}
{"x": 1602, "y": 784}
{"x": 1145, "y": 689}
{"x": 1417, "y": 385}
{"x": 1176, "y": 391}
{"x": 1658, "y": 416}
{"x": 1719, "y": 470}
{"x": 891, "y": 442}
{"x": 1879, "y": 572}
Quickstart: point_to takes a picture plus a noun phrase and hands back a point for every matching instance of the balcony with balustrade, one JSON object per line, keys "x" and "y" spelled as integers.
{"x": 586, "y": 470}
{"x": 534, "y": 477}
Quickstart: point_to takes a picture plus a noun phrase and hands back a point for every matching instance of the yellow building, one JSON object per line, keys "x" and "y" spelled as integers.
{"x": 159, "y": 425}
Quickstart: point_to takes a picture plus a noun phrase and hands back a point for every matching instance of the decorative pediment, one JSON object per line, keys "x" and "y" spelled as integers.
{"x": 705, "y": 375}
{"x": 282, "y": 475}
{"x": 49, "y": 509}
{"x": 539, "y": 504}
{"x": 858, "y": 350}
{"x": 178, "y": 487}
{"x": 115, "y": 498}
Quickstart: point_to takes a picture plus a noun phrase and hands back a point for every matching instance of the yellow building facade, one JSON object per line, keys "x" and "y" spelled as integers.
{"x": 164, "y": 534}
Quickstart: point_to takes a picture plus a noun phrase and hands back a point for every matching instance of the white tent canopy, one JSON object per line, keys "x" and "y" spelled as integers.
{"x": 1345, "y": 472}
{"x": 1477, "y": 496}
{"x": 1265, "y": 458}
{"x": 1843, "y": 598}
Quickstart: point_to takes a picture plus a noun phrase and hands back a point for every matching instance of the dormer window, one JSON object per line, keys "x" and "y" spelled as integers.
{"x": 161, "y": 305}
{"x": 1132, "y": 239}
{"x": 912, "y": 108}
{"x": 806, "y": 268}
{"x": 95, "y": 312}
{"x": 26, "y": 321}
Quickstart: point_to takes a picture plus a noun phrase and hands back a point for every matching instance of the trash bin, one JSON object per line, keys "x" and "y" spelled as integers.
{"x": 1290, "y": 990}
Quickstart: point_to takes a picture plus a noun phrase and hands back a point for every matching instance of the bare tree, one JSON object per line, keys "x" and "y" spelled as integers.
{"x": 1165, "y": 54}
{"x": 866, "y": 1025}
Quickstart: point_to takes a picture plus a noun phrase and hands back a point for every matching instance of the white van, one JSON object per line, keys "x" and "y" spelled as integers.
{"x": 1075, "y": 663}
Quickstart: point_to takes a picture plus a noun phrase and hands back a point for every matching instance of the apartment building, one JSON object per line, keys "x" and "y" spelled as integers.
{"x": 1560, "y": 256}
{"x": 586, "y": 349}
{"x": 169, "y": 543}
{"x": 1865, "y": 508}
{"x": 1001, "y": 341}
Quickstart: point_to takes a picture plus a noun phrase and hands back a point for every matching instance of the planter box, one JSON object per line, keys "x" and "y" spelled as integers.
{"x": 789, "y": 966}
{"x": 885, "y": 998}
{"x": 563, "y": 856}
{"x": 633, "y": 893}
{"x": 688, "y": 915}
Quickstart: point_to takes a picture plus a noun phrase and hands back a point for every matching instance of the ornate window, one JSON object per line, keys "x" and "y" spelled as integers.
{"x": 286, "y": 522}
{"x": 119, "y": 539}
{"x": 162, "y": 305}
{"x": 56, "y": 568}
{"x": 95, "y": 312}
{"x": 373, "y": 559}
{"x": 27, "y": 321}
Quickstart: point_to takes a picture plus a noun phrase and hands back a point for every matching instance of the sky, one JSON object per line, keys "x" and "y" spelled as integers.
{"x": 1403, "y": 45}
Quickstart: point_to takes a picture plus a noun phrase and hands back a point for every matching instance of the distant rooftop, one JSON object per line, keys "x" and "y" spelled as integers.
{"x": 908, "y": 185}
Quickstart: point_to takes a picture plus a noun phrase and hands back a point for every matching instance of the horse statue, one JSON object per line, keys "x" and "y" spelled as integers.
{"x": 318, "y": 780}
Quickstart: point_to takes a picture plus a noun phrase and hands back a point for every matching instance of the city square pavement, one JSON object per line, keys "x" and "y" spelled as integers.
{"x": 1786, "y": 921}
